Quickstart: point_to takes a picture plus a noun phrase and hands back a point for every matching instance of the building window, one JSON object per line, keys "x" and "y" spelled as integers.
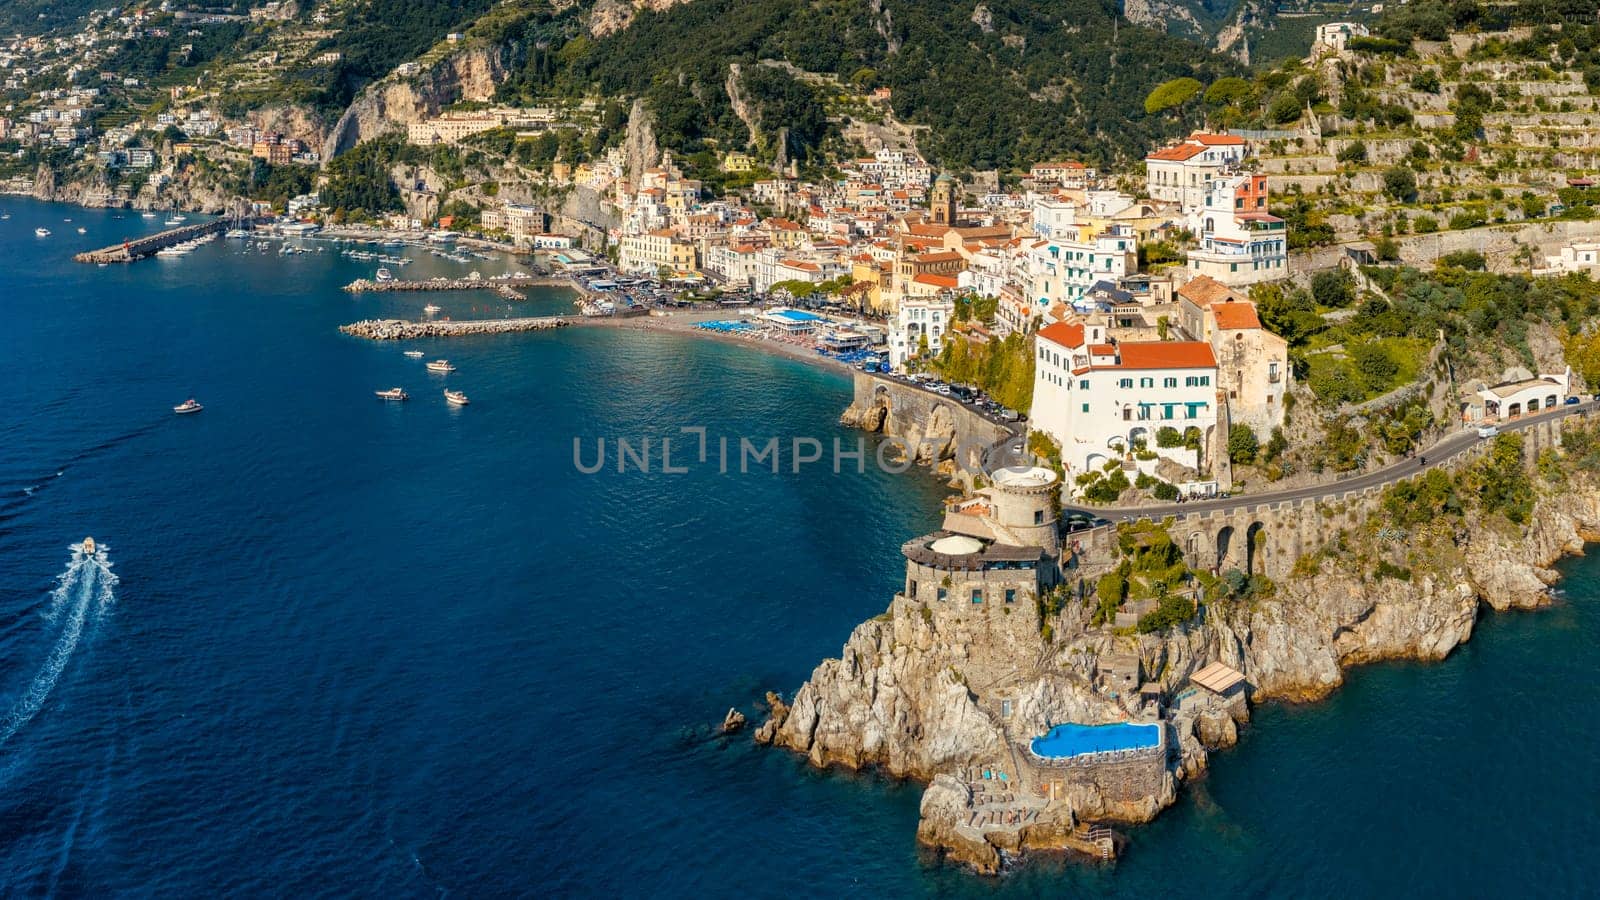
{"x": 1011, "y": 595}
{"x": 1086, "y": 407}
{"x": 977, "y": 595}
{"x": 911, "y": 589}
{"x": 1084, "y": 384}
{"x": 1147, "y": 382}
{"x": 942, "y": 595}
{"x": 1125, "y": 383}
{"x": 1169, "y": 382}
{"x": 1205, "y": 380}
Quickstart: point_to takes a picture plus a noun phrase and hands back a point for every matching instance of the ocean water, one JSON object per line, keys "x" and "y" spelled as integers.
{"x": 406, "y": 650}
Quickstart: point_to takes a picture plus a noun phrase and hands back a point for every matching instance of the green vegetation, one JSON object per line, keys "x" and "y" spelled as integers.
{"x": 1498, "y": 484}
{"x": 1023, "y": 90}
{"x": 1004, "y": 369}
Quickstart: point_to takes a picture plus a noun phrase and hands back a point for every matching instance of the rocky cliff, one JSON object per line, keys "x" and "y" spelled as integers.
{"x": 920, "y": 695}
{"x": 469, "y": 75}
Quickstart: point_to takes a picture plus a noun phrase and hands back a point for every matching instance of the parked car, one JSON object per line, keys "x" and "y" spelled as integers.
{"x": 1487, "y": 431}
{"x": 1573, "y": 401}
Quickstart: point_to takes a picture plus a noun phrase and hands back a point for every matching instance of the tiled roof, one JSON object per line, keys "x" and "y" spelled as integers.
{"x": 1235, "y": 315}
{"x": 1167, "y": 355}
{"x": 1178, "y": 153}
{"x": 1215, "y": 140}
{"x": 1204, "y": 290}
{"x": 940, "y": 281}
{"x": 1063, "y": 334}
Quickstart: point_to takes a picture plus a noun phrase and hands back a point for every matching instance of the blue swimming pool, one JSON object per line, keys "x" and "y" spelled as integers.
{"x": 1072, "y": 739}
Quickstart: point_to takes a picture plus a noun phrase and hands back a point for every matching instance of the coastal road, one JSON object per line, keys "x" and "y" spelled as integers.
{"x": 1438, "y": 454}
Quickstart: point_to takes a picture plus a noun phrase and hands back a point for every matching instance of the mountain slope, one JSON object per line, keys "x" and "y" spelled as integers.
{"x": 998, "y": 83}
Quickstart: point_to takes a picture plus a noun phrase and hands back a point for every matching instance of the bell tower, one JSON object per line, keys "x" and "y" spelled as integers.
{"x": 943, "y": 201}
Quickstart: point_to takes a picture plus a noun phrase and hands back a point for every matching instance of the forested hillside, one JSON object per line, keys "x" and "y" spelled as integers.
{"x": 1000, "y": 85}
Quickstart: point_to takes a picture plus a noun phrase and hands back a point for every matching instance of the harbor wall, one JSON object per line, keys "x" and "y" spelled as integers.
{"x": 935, "y": 428}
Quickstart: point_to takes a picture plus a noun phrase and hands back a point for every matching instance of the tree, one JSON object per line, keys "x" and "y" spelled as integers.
{"x": 1285, "y": 108}
{"x": 1355, "y": 152}
{"x": 1242, "y": 444}
{"x": 1400, "y": 183}
{"x": 1583, "y": 354}
{"x": 1374, "y": 365}
{"x": 1228, "y": 91}
{"x": 1170, "y": 94}
{"x": 1333, "y": 289}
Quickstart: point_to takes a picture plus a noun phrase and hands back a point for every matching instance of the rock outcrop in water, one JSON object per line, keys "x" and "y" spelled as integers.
{"x": 940, "y": 698}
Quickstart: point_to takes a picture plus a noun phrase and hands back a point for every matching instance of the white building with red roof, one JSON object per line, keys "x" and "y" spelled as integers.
{"x": 1182, "y": 173}
{"x": 1098, "y": 398}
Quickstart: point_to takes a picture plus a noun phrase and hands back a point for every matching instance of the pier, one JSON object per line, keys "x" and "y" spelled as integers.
{"x": 128, "y": 251}
{"x": 403, "y": 330}
{"x": 506, "y": 288}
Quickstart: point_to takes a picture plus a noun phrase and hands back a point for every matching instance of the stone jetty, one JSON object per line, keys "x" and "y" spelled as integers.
{"x": 139, "y": 248}
{"x": 503, "y": 286}
{"x": 404, "y": 330}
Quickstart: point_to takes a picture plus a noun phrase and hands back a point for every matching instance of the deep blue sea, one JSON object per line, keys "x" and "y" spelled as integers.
{"x": 405, "y": 650}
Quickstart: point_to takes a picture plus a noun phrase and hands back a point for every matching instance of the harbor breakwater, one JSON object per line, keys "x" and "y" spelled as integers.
{"x": 402, "y": 329}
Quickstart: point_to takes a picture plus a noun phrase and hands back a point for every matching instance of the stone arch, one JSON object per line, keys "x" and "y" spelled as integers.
{"x": 1225, "y": 541}
{"x": 1138, "y": 433}
{"x": 1195, "y": 548}
{"x": 1117, "y": 442}
{"x": 1514, "y": 410}
{"x": 1255, "y": 548}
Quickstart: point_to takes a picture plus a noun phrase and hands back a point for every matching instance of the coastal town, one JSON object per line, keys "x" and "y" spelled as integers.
{"x": 1300, "y": 374}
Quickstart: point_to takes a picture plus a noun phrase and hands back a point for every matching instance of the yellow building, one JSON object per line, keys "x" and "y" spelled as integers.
{"x": 738, "y": 163}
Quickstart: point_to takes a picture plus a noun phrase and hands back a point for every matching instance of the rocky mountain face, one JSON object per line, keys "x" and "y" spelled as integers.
{"x": 470, "y": 75}
{"x": 918, "y": 696}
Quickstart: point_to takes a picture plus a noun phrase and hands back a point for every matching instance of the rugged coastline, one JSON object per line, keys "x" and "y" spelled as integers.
{"x": 938, "y": 698}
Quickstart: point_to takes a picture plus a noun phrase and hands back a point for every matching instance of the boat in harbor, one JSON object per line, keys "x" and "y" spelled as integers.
{"x": 88, "y": 546}
{"x": 190, "y": 405}
{"x": 414, "y": 354}
{"x": 147, "y": 215}
{"x": 176, "y": 220}
{"x": 385, "y": 275}
{"x": 42, "y": 232}
{"x": 82, "y": 230}
{"x": 442, "y": 366}
{"x": 393, "y": 393}
{"x": 456, "y": 398}
{"x": 430, "y": 309}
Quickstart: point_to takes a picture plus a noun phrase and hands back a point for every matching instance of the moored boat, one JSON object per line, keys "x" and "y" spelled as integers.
{"x": 385, "y": 275}
{"x": 441, "y": 366}
{"x": 190, "y": 405}
{"x": 42, "y": 232}
{"x": 456, "y": 398}
{"x": 414, "y": 354}
{"x": 430, "y": 309}
{"x": 393, "y": 393}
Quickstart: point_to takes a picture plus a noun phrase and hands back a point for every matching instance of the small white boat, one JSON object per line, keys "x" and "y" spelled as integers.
{"x": 414, "y": 354}
{"x": 393, "y": 393}
{"x": 456, "y": 398}
{"x": 430, "y": 309}
{"x": 190, "y": 405}
{"x": 88, "y": 546}
{"x": 42, "y": 232}
{"x": 442, "y": 366}
{"x": 147, "y": 215}
{"x": 82, "y": 230}
{"x": 176, "y": 220}
{"x": 385, "y": 275}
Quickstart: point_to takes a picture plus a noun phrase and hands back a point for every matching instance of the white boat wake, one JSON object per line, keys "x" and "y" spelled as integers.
{"x": 86, "y": 589}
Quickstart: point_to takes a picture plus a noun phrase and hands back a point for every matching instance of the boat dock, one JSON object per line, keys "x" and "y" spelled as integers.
{"x": 403, "y": 330}
{"x": 128, "y": 251}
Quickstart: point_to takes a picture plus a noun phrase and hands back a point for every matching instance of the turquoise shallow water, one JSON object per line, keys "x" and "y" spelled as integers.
{"x": 410, "y": 651}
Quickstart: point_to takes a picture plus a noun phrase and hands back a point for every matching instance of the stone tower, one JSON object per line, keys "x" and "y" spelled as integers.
{"x": 1024, "y": 507}
{"x": 943, "y": 200}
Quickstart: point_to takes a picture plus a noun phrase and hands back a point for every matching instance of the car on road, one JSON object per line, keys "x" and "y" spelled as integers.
{"x": 1487, "y": 431}
{"x": 1573, "y": 401}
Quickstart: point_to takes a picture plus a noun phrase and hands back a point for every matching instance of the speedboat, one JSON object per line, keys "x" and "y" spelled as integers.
{"x": 188, "y": 406}
{"x": 430, "y": 309}
{"x": 441, "y": 366}
{"x": 385, "y": 275}
{"x": 88, "y": 546}
{"x": 42, "y": 232}
{"x": 456, "y": 398}
{"x": 414, "y": 354}
{"x": 82, "y": 230}
{"x": 393, "y": 393}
